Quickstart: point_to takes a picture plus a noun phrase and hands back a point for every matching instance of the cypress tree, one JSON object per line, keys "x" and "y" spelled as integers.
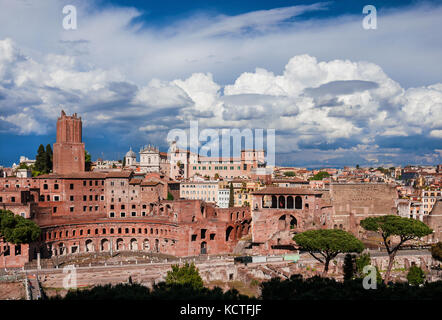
{"x": 349, "y": 266}
{"x": 231, "y": 196}
{"x": 40, "y": 159}
{"x": 48, "y": 158}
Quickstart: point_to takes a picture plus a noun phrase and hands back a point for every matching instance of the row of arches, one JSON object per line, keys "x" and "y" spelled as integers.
{"x": 86, "y": 232}
{"x": 105, "y": 245}
{"x": 235, "y": 233}
{"x": 283, "y": 202}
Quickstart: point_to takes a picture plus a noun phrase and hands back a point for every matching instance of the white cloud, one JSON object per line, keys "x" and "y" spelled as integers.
{"x": 137, "y": 80}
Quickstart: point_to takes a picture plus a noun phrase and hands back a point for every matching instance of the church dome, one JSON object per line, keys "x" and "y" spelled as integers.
{"x": 131, "y": 154}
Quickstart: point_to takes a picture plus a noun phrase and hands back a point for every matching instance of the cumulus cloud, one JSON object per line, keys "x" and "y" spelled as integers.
{"x": 212, "y": 69}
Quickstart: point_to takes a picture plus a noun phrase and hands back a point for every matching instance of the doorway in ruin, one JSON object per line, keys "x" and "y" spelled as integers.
{"x": 228, "y": 233}
{"x": 104, "y": 246}
{"x": 293, "y": 222}
{"x": 120, "y": 244}
{"x": 89, "y": 246}
{"x": 133, "y": 245}
{"x": 157, "y": 245}
{"x": 203, "y": 247}
{"x": 146, "y": 244}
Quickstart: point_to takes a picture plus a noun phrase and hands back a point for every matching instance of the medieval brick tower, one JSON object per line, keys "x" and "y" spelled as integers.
{"x": 68, "y": 150}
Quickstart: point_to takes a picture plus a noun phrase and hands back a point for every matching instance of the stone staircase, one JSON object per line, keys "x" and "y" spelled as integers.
{"x": 33, "y": 287}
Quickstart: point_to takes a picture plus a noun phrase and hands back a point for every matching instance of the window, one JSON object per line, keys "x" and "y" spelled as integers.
{"x": 84, "y": 198}
{"x": 122, "y": 214}
{"x": 134, "y": 214}
{"x": 17, "y": 249}
{"x": 56, "y": 186}
{"x": 71, "y": 186}
{"x": 45, "y": 186}
{"x": 54, "y": 209}
{"x": 56, "y": 198}
{"x": 12, "y": 199}
{"x": 111, "y": 214}
{"x": 71, "y": 209}
{"x": 71, "y": 198}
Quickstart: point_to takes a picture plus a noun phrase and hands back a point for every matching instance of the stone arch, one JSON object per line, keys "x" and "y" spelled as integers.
{"x": 61, "y": 249}
{"x": 133, "y": 244}
{"x": 120, "y": 244}
{"x": 89, "y": 245}
{"x": 104, "y": 245}
{"x": 229, "y": 233}
{"x": 298, "y": 202}
{"x": 146, "y": 245}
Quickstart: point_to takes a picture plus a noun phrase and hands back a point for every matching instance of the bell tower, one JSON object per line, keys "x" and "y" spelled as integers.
{"x": 68, "y": 154}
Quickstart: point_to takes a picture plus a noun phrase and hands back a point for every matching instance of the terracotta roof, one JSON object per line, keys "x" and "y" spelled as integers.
{"x": 74, "y": 175}
{"x": 151, "y": 183}
{"x": 119, "y": 174}
{"x": 283, "y": 190}
{"x": 135, "y": 180}
{"x": 288, "y": 180}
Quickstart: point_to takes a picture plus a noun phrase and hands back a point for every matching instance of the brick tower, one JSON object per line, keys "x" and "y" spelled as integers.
{"x": 68, "y": 154}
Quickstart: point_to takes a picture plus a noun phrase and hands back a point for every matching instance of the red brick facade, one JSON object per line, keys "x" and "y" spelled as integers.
{"x": 68, "y": 156}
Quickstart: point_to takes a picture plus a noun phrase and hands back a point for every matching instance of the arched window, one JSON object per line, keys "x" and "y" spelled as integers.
{"x": 274, "y": 202}
{"x": 289, "y": 202}
{"x": 228, "y": 232}
{"x": 281, "y": 202}
{"x": 298, "y": 202}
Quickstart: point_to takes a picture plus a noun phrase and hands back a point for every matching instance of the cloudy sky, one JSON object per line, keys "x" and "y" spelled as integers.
{"x": 336, "y": 93}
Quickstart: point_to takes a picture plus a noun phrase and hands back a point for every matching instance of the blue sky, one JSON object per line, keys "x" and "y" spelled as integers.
{"x": 335, "y": 93}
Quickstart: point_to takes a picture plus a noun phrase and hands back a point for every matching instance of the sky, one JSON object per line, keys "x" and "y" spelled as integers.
{"x": 335, "y": 92}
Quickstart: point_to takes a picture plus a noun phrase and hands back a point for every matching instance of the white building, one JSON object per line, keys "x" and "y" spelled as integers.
{"x": 223, "y": 198}
{"x": 200, "y": 190}
{"x": 130, "y": 158}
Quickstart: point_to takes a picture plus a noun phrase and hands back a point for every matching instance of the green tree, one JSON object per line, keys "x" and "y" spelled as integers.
{"x": 320, "y": 175}
{"x": 87, "y": 161}
{"x": 49, "y": 156}
{"x": 216, "y": 176}
{"x": 169, "y": 196}
{"x": 415, "y": 276}
{"x": 23, "y": 166}
{"x": 404, "y": 228}
{"x": 187, "y": 274}
{"x": 16, "y": 229}
{"x": 436, "y": 251}
{"x": 40, "y": 164}
{"x": 328, "y": 243}
{"x": 349, "y": 266}
{"x": 289, "y": 174}
{"x": 231, "y": 196}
